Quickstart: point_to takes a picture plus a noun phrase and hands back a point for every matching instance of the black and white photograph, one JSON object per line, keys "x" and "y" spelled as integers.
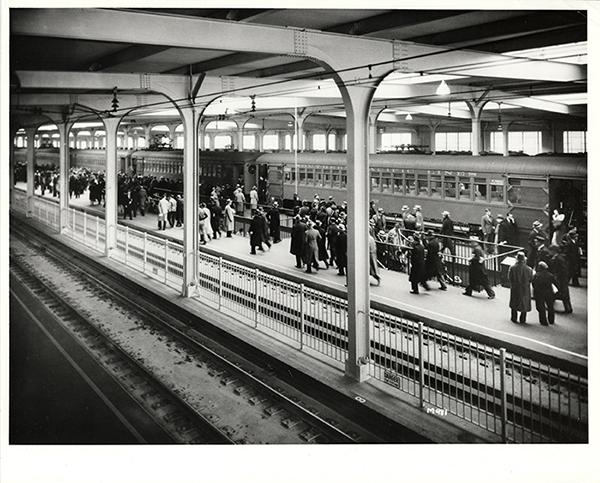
{"x": 351, "y": 238}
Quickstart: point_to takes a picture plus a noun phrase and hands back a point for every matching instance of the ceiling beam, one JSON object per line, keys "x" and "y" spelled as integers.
{"x": 391, "y": 19}
{"x": 282, "y": 69}
{"x": 129, "y": 54}
{"x": 339, "y": 51}
{"x": 517, "y": 26}
{"x": 219, "y": 62}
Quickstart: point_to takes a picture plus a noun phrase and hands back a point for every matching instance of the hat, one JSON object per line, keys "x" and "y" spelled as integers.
{"x": 499, "y": 216}
{"x": 521, "y": 256}
{"x": 445, "y": 213}
{"x": 405, "y": 207}
{"x": 573, "y": 231}
{"x": 542, "y": 266}
{"x": 536, "y": 223}
{"x": 417, "y": 207}
{"x": 380, "y": 210}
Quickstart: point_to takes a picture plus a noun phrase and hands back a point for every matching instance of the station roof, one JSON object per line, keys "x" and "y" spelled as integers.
{"x": 501, "y": 44}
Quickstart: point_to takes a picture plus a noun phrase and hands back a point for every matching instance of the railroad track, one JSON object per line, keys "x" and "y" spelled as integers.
{"x": 299, "y": 419}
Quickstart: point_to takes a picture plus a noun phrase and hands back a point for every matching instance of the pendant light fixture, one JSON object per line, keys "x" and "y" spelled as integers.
{"x": 442, "y": 89}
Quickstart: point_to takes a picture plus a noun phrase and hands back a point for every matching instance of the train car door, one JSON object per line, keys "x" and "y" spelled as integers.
{"x": 262, "y": 183}
{"x": 569, "y": 196}
{"x": 275, "y": 182}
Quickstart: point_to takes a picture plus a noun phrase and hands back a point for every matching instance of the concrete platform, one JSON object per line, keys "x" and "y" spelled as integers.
{"x": 567, "y": 339}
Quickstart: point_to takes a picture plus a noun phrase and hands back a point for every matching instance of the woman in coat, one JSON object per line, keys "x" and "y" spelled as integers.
{"x": 311, "y": 247}
{"x": 229, "y": 218}
{"x": 478, "y": 274}
{"x": 520, "y": 277}
{"x": 417, "y": 276}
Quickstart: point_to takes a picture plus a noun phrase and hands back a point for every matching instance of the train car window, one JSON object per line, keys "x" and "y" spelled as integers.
{"x": 410, "y": 188}
{"x": 464, "y": 188}
{"x": 398, "y": 183}
{"x": 422, "y": 184}
{"x": 335, "y": 177}
{"x": 327, "y": 177}
{"x": 449, "y": 187}
{"x": 496, "y": 192}
{"x": 435, "y": 185}
{"x": 480, "y": 189}
{"x": 527, "y": 192}
{"x": 386, "y": 182}
{"x": 344, "y": 178}
{"x": 302, "y": 175}
{"x": 374, "y": 179}
{"x": 287, "y": 175}
{"x": 310, "y": 175}
{"x": 319, "y": 176}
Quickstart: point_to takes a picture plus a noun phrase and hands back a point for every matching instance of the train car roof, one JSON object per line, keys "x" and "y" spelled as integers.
{"x": 555, "y": 165}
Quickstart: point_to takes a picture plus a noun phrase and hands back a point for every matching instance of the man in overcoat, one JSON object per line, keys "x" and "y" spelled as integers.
{"x": 418, "y": 275}
{"x": 297, "y": 240}
{"x": 520, "y": 277}
{"x": 433, "y": 260}
{"x": 274, "y": 222}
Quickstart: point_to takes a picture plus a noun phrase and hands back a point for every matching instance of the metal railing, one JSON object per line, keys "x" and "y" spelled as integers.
{"x": 85, "y": 228}
{"x": 46, "y": 211}
{"x": 517, "y": 398}
{"x": 20, "y": 200}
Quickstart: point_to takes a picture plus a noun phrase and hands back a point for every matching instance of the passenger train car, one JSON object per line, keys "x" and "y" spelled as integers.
{"x": 530, "y": 187}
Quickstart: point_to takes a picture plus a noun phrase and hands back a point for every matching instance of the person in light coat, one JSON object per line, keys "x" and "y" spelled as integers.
{"x": 311, "y": 247}
{"x": 229, "y": 218}
{"x": 253, "y": 198}
{"x": 520, "y": 277}
{"x": 204, "y": 224}
{"x": 164, "y": 206}
{"x": 240, "y": 199}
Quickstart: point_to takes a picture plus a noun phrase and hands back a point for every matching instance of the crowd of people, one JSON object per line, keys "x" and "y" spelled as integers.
{"x": 319, "y": 238}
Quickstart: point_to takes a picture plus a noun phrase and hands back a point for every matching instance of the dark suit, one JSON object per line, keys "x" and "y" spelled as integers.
{"x": 341, "y": 251}
{"x": 297, "y": 242}
{"x": 544, "y": 296}
{"x": 418, "y": 274}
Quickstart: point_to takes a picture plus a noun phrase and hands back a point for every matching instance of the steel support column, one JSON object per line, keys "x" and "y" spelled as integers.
{"x": 372, "y": 133}
{"x": 64, "y": 160}
{"x": 505, "y": 129}
{"x": 190, "y": 200}
{"x": 111, "y": 125}
{"x": 476, "y": 108}
{"x": 30, "y": 133}
{"x": 357, "y": 100}
{"x": 11, "y": 167}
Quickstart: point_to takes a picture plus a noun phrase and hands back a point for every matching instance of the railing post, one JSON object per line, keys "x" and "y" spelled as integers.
{"x": 256, "y": 299}
{"x": 145, "y": 253}
{"x": 126, "y": 244}
{"x": 421, "y": 367}
{"x": 85, "y": 240}
{"x": 503, "y": 392}
{"x": 166, "y": 260}
{"x": 220, "y": 281}
{"x": 301, "y": 316}
{"x": 97, "y": 231}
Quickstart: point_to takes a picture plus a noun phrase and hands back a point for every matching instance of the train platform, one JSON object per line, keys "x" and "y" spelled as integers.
{"x": 567, "y": 339}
